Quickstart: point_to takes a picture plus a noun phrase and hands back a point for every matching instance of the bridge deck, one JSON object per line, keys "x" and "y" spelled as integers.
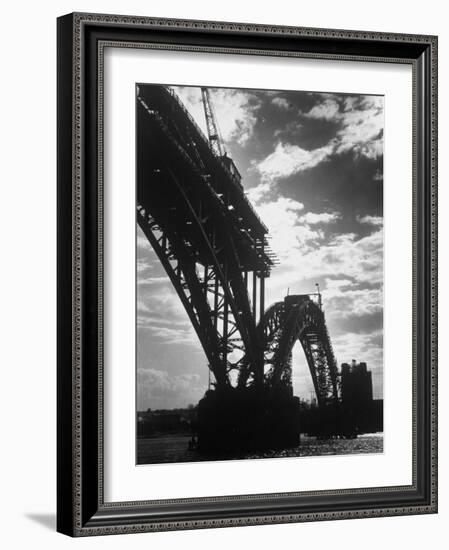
{"x": 206, "y": 178}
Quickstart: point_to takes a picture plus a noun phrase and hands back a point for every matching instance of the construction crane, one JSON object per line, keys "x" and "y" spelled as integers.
{"x": 215, "y": 138}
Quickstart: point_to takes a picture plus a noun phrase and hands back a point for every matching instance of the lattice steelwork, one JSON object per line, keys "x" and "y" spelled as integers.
{"x": 297, "y": 318}
{"x": 209, "y": 239}
{"x": 213, "y": 246}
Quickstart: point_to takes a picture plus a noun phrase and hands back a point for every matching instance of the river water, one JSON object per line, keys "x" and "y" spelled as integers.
{"x": 175, "y": 448}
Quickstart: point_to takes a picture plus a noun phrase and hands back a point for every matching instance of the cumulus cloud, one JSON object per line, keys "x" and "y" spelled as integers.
{"x": 363, "y": 125}
{"x": 308, "y": 253}
{"x": 312, "y": 218}
{"x": 349, "y": 256}
{"x": 289, "y": 159}
{"x": 359, "y": 121}
{"x": 257, "y": 193}
{"x": 280, "y": 102}
{"x": 327, "y": 110}
{"x": 337, "y": 284}
{"x": 354, "y": 302}
{"x": 297, "y": 241}
{"x": 287, "y": 233}
{"x": 371, "y": 220}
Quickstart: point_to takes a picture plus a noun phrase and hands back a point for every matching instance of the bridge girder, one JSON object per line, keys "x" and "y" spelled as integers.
{"x": 186, "y": 208}
{"x": 190, "y": 216}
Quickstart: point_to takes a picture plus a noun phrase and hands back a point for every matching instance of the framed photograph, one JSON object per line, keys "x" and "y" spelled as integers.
{"x": 247, "y": 275}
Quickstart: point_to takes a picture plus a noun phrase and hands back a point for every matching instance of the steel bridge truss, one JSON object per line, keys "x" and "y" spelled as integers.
{"x": 284, "y": 323}
{"x": 204, "y": 295}
{"x": 195, "y": 225}
{"x": 214, "y": 249}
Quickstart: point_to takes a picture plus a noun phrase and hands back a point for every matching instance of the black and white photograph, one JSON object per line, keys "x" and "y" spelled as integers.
{"x": 259, "y": 276}
{"x": 247, "y": 278}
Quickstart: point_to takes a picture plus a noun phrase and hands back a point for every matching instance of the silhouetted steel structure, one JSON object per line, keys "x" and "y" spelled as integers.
{"x": 297, "y": 318}
{"x": 213, "y": 131}
{"x": 214, "y": 248}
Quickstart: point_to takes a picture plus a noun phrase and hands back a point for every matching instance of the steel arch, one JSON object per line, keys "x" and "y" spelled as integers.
{"x": 284, "y": 323}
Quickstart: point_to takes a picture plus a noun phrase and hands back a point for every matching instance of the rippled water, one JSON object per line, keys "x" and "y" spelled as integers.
{"x": 174, "y": 448}
{"x": 310, "y": 446}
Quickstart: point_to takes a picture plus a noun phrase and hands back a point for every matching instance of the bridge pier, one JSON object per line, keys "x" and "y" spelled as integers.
{"x": 237, "y": 420}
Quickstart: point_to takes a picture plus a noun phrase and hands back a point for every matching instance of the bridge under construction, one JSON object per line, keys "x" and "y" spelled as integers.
{"x": 192, "y": 208}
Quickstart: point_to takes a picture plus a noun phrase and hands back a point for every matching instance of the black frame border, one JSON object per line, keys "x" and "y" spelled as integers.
{"x": 81, "y": 510}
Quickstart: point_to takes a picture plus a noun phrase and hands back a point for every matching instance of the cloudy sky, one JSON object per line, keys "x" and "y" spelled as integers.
{"x": 312, "y": 166}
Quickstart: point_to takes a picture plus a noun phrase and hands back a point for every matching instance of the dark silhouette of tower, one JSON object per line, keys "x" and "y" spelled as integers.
{"x": 361, "y": 413}
{"x": 356, "y": 385}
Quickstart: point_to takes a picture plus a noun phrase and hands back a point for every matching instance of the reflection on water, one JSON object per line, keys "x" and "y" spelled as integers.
{"x": 175, "y": 448}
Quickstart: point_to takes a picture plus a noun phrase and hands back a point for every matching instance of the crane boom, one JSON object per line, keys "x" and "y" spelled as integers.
{"x": 215, "y": 138}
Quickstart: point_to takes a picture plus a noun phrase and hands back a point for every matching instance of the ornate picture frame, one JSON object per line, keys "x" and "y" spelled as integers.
{"x": 81, "y": 508}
